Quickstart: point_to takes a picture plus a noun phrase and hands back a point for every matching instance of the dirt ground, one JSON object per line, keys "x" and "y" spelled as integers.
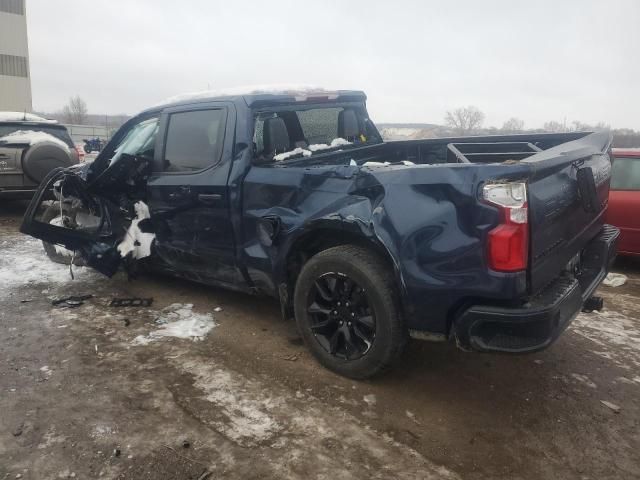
{"x": 103, "y": 392}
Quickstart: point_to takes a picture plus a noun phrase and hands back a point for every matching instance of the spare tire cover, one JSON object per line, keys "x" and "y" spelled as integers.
{"x": 41, "y": 158}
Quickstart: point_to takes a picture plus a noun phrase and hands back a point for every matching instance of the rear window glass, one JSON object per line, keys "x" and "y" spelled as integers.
{"x": 319, "y": 125}
{"x": 315, "y": 130}
{"x": 625, "y": 174}
{"x": 59, "y": 133}
{"x": 194, "y": 140}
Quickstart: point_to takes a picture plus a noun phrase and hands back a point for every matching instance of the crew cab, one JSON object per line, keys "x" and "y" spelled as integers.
{"x": 624, "y": 200}
{"x": 494, "y": 242}
{"x": 30, "y": 147}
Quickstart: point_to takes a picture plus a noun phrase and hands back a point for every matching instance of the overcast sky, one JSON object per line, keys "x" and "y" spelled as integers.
{"x": 536, "y": 60}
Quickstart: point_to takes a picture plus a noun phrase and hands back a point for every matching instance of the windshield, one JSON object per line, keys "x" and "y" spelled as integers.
{"x": 303, "y": 132}
{"x": 139, "y": 141}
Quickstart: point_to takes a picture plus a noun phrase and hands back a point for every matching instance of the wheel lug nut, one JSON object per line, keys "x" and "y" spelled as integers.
{"x": 353, "y": 314}
{"x": 338, "y": 303}
{"x": 346, "y": 304}
{"x": 335, "y": 312}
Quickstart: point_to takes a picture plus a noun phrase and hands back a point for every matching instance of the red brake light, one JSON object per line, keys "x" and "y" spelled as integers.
{"x": 508, "y": 243}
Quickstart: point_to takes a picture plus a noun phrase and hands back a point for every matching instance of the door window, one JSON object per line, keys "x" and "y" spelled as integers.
{"x": 194, "y": 140}
{"x": 625, "y": 174}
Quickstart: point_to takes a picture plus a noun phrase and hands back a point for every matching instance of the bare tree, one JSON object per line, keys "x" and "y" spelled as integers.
{"x": 75, "y": 111}
{"x": 513, "y": 125}
{"x": 555, "y": 127}
{"x": 465, "y": 120}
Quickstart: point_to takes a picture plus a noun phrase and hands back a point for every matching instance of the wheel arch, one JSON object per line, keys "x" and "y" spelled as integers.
{"x": 322, "y": 237}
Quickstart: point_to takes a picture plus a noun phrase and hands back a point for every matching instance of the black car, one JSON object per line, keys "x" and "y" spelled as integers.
{"x": 30, "y": 147}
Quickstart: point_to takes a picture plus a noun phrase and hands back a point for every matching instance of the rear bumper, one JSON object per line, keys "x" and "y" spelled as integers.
{"x": 536, "y": 324}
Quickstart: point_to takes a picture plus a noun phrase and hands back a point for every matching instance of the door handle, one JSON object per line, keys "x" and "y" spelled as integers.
{"x": 209, "y": 198}
{"x": 180, "y": 192}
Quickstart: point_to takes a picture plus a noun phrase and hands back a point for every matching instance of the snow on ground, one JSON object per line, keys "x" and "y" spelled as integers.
{"x": 23, "y": 262}
{"x": 615, "y": 334}
{"x": 31, "y": 137}
{"x": 245, "y": 417}
{"x": 180, "y": 321}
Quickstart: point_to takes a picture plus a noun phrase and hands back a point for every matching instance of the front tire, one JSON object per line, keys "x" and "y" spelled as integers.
{"x": 346, "y": 308}
{"x": 56, "y": 253}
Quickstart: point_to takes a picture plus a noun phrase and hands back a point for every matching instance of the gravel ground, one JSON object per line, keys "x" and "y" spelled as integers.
{"x": 211, "y": 384}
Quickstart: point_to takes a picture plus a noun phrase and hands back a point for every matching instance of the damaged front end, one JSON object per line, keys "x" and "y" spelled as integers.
{"x": 101, "y": 218}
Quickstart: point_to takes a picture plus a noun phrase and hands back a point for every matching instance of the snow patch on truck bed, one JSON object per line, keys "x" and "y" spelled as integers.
{"x": 292, "y": 153}
{"x": 31, "y": 137}
{"x": 178, "y": 320}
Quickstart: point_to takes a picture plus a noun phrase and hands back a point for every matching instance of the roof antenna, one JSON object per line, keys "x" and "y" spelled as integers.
{"x": 24, "y": 117}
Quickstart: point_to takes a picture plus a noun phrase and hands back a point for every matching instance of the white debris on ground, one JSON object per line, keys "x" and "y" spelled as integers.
{"x": 31, "y": 137}
{"x": 610, "y": 405}
{"x": 370, "y": 399}
{"x": 584, "y": 380}
{"x": 23, "y": 117}
{"x": 24, "y": 261}
{"x": 180, "y": 321}
{"x": 292, "y": 153}
{"x": 615, "y": 280}
{"x": 136, "y": 242}
{"x": 336, "y": 142}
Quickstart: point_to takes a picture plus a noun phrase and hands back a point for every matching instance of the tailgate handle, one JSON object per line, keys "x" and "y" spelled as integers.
{"x": 209, "y": 198}
{"x": 587, "y": 188}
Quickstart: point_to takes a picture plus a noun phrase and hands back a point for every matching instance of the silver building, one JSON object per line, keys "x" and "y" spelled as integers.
{"x": 15, "y": 79}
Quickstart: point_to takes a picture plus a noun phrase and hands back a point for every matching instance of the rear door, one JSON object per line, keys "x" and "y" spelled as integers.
{"x": 624, "y": 202}
{"x": 188, "y": 195}
{"x": 568, "y": 195}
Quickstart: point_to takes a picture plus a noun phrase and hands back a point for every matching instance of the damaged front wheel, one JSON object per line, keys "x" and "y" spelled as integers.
{"x": 55, "y": 214}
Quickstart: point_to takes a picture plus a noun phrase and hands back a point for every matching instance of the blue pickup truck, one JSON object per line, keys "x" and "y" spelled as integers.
{"x": 493, "y": 242}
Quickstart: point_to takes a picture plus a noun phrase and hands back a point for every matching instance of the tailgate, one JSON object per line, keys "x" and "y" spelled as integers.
{"x": 568, "y": 194}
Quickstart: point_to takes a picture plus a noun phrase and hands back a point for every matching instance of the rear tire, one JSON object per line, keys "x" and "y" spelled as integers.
{"x": 346, "y": 308}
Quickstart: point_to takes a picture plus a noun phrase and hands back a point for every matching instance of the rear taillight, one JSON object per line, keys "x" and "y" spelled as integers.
{"x": 508, "y": 243}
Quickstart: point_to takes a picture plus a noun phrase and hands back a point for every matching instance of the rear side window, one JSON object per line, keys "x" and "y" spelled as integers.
{"x": 194, "y": 140}
{"x": 319, "y": 125}
{"x": 625, "y": 174}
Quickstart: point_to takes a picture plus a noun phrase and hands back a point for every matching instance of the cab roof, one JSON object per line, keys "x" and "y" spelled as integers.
{"x": 267, "y": 95}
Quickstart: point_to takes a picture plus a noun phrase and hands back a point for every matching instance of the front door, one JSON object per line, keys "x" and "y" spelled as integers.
{"x": 188, "y": 195}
